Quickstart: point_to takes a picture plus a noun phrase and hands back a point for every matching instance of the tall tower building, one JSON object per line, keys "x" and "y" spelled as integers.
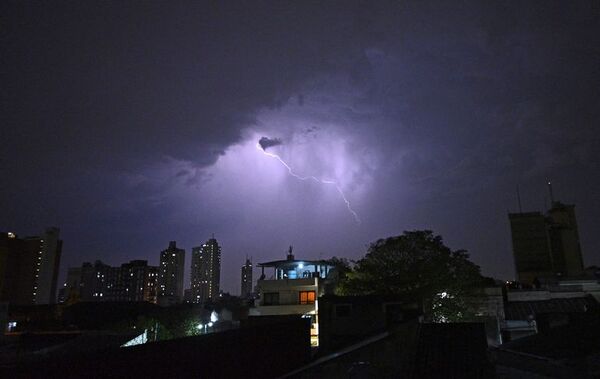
{"x": 546, "y": 246}
{"x": 564, "y": 239}
{"x": 50, "y": 249}
{"x": 247, "y": 279}
{"x": 29, "y": 267}
{"x": 206, "y": 271}
{"x": 170, "y": 276}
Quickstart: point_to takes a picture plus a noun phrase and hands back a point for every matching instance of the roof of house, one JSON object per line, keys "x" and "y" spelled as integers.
{"x": 562, "y": 342}
{"x": 451, "y": 350}
{"x": 568, "y": 351}
{"x": 293, "y": 263}
{"x": 522, "y": 310}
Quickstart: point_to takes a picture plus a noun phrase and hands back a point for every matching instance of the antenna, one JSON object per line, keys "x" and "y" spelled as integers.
{"x": 551, "y": 193}
{"x": 519, "y": 199}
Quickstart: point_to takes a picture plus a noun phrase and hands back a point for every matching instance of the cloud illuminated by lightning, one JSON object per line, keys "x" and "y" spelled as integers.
{"x": 310, "y": 177}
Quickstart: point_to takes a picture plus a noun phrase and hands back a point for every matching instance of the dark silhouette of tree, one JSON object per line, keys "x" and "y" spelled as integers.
{"x": 418, "y": 267}
{"x": 341, "y": 267}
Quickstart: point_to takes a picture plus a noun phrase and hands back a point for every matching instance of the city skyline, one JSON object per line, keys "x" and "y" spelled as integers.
{"x": 129, "y": 126}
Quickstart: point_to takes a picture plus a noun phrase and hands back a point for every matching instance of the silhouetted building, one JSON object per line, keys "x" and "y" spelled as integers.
{"x": 564, "y": 240}
{"x": 29, "y": 267}
{"x": 170, "y": 278}
{"x": 559, "y": 302}
{"x": 206, "y": 271}
{"x": 133, "y": 281}
{"x": 266, "y": 350}
{"x": 546, "y": 246}
{"x": 71, "y": 290}
{"x": 246, "y": 279}
{"x": 139, "y": 281}
{"x": 344, "y": 320}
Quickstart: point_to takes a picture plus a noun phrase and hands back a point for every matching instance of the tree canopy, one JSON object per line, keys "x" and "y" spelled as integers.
{"x": 418, "y": 267}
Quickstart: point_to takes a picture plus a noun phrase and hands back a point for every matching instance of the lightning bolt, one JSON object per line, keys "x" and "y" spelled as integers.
{"x": 310, "y": 177}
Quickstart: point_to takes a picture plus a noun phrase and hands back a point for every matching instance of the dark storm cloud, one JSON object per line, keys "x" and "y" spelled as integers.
{"x": 266, "y": 142}
{"x": 110, "y": 111}
{"x": 155, "y": 80}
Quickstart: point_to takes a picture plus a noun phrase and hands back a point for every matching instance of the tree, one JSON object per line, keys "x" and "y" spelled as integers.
{"x": 417, "y": 266}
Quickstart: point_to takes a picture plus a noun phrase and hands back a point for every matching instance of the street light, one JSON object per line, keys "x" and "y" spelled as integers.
{"x": 201, "y": 326}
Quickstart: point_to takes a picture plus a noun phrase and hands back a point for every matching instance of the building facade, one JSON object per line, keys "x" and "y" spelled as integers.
{"x": 71, "y": 290}
{"x": 246, "y": 279}
{"x": 170, "y": 276}
{"x": 293, "y": 289}
{"x": 132, "y": 281}
{"x": 29, "y": 267}
{"x": 546, "y": 246}
{"x": 206, "y": 271}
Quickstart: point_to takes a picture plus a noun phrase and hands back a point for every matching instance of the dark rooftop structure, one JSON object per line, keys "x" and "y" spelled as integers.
{"x": 568, "y": 351}
{"x": 344, "y": 320}
{"x": 411, "y": 350}
{"x": 257, "y": 351}
{"x": 521, "y": 310}
{"x": 291, "y": 268}
{"x": 452, "y": 350}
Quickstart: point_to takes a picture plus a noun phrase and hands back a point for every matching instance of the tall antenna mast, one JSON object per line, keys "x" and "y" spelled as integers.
{"x": 519, "y": 199}
{"x": 551, "y": 193}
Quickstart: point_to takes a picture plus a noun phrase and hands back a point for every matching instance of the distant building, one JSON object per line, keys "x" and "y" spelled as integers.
{"x": 139, "y": 281}
{"x": 29, "y": 267}
{"x": 530, "y": 311}
{"x": 292, "y": 290}
{"x": 246, "y": 279}
{"x": 98, "y": 281}
{"x": 564, "y": 240}
{"x": 71, "y": 290}
{"x": 546, "y": 246}
{"x": 133, "y": 281}
{"x": 170, "y": 278}
{"x": 206, "y": 271}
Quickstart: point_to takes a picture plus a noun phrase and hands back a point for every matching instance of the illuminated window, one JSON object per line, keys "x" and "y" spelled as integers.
{"x": 307, "y": 297}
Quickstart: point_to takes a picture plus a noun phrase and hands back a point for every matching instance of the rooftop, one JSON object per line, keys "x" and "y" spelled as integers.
{"x": 293, "y": 263}
{"x": 520, "y": 310}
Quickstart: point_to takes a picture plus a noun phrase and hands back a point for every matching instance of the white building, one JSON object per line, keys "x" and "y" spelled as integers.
{"x": 293, "y": 288}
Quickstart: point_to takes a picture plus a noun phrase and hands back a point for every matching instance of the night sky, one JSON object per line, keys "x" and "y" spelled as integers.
{"x": 130, "y": 124}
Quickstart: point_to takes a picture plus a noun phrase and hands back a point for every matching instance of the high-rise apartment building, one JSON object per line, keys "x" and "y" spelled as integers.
{"x": 139, "y": 281}
{"x": 246, "y": 279}
{"x": 206, "y": 271}
{"x": 170, "y": 276}
{"x": 133, "y": 281}
{"x": 546, "y": 246}
{"x": 29, "y": 267}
